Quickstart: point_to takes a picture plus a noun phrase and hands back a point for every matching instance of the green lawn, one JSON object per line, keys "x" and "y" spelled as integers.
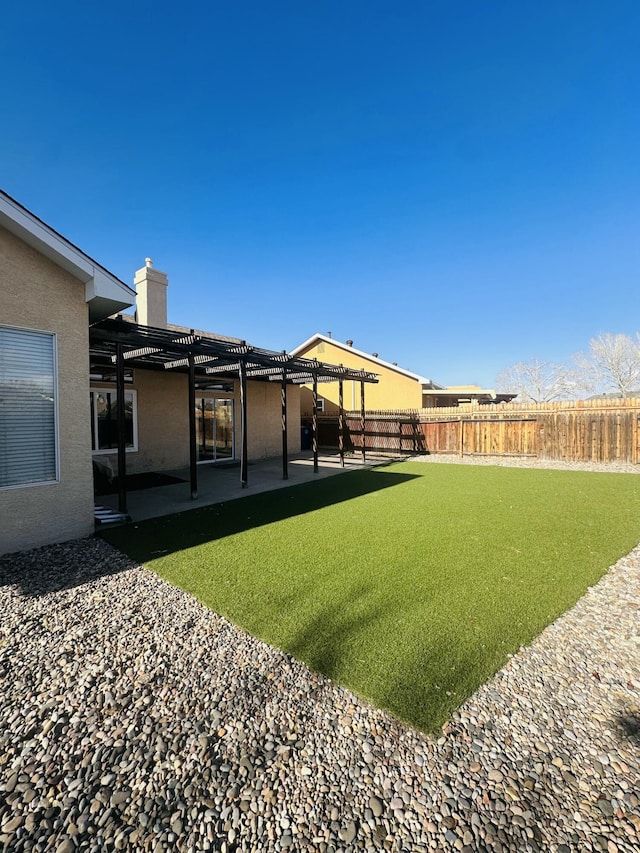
{"x": 409, "y": 583}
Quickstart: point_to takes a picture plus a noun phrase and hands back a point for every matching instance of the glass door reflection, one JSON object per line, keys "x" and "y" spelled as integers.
{"x": 214, "y": 429}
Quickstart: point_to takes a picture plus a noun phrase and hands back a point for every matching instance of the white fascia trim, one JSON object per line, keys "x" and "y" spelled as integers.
{"x": 31, "y": 230}
{"x": 108, "y": 287}
{"x": 318, "y": 337}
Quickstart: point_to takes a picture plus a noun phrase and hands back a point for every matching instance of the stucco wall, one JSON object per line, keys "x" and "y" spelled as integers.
{"x": 264, "y": 420}
{"x": 393, "y": 390}
{"x": 163, "y": 421}
{"x": 36, "y": 294}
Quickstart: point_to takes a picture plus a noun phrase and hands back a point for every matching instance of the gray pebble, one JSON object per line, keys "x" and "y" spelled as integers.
{"x": 136, "y": 719}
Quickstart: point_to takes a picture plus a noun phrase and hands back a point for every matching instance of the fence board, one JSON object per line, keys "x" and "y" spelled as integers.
{"x": 587, "y": 430}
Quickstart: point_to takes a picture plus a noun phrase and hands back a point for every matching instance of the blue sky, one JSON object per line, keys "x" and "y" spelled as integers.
{"x": 454, "y": 185}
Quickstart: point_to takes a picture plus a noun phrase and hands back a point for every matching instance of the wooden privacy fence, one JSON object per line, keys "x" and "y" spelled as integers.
{"x": 384, "y": 432}
{"x": 589, "y": 430}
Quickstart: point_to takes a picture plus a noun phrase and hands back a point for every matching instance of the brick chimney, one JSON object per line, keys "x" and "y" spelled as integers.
{"x": 151, "y": 300}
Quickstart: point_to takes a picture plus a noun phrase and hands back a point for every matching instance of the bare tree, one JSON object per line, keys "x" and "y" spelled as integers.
{"x": 612, "y": 364}
{"x": 539, "y": 381}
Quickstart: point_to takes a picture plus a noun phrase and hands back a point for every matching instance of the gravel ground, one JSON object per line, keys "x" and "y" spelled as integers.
{"x": 530, "y": 462}
{"x": 133, "y": 718}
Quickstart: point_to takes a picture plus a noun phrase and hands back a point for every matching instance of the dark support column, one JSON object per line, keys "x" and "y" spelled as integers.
{"x": 122, "y": 452}
{"x": 244, "y": 477}
{"x": 341, "y": 421}
{"x": 193, "y": 460}
{"x": 315, "y": 424}
{"x": 362, "y": 422}
{"x": 285, "y": 448}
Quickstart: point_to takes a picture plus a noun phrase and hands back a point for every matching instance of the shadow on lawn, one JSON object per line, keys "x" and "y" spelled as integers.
{"x": 147, "y": 540}
{"x": 418, "y": 676}
{"x": 416, "y": 685}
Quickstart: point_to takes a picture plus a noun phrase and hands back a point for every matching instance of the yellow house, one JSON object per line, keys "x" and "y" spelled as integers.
{"x": 397, "y": 388}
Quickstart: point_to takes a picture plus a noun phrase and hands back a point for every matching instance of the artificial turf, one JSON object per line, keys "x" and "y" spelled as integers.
{"x": 410, "y": 584}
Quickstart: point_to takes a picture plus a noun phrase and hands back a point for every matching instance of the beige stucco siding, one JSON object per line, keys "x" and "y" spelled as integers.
{"x": 394, "y": 390}
{"x": 163, "y": 421}
{"x": 264, "y": 420}
{"x": 37, "y": 294}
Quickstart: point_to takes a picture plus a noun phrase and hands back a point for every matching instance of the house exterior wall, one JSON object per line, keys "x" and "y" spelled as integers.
{"x": 393, "y": 391}
{"x": 264, "y": 420}
{"x": 37, "y": 294}
{"x": 163, "y": 421}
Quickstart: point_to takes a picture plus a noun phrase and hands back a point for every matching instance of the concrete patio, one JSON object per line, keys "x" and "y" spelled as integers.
{"x": 217, "y": 483}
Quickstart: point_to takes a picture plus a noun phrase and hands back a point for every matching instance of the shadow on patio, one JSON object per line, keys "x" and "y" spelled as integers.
{"x": 218, "y": 483}
{"x": 146, "y": 540}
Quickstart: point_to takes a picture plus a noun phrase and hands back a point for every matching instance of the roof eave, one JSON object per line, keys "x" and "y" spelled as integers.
{"x": 423, "y": 380}
{"x": 104, "y": 292}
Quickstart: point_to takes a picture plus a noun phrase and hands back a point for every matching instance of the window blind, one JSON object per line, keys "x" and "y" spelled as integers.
{"x": 27, "y": 407}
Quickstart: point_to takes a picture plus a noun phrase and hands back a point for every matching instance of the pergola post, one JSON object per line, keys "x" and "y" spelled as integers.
{"x": 244, "y": 477}
{"x": 285, "y": 448}
{"x": 362, "y": 422}
{"x": 341, "y": 421}
{"x": 314, "y": 421}
{"x": 122, "y": 449}
{"x": 193, "y": 460}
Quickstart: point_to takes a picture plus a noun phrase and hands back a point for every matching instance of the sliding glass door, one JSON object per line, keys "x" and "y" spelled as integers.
{"x": 214, "y": 429}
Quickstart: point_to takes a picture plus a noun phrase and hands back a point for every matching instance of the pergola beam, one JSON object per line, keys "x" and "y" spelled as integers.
{"x": 223, "y": 368}
{"x": 164, "y": 348}
{"x": 184, "y": 362}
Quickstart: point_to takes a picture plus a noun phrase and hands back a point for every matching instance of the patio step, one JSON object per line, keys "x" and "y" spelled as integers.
{"x": 105, "y": 515}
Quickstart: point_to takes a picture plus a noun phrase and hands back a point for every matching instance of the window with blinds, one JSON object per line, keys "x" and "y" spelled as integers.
{"x": 27, "y": 408}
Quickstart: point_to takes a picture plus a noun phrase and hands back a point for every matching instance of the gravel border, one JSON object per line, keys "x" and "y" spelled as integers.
{"x": 133, "y": 718}
{"x": 529, "y": 462}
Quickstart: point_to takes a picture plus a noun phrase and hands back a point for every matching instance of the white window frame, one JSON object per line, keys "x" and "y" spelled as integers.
{"x": 56, "y": 413}
{"x": 320, "y": 406}
{"x": 110, "y": 451}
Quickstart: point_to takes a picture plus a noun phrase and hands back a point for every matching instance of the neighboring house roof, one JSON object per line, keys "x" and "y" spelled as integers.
{"x": 104, "y": 292}
{"x": 129, "y": 318}
{"x": 464, "y": 394}
{"x": 614, "y": 395}
{"x": 314, "y": 339}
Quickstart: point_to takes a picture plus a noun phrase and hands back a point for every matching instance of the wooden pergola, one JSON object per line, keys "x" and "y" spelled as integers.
{"x": 120, "y": 343}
